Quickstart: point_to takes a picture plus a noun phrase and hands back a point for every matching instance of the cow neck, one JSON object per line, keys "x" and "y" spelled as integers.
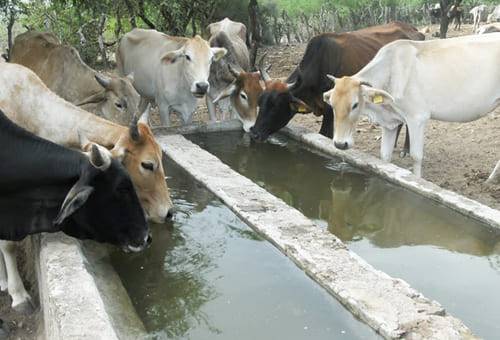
{"x": 28, "y": 160}
{"x": 100, "y": 130}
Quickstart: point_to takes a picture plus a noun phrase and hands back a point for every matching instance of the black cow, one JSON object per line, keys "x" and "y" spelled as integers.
{"x": 340, "y": 54}
{"x": 45, "y": 187}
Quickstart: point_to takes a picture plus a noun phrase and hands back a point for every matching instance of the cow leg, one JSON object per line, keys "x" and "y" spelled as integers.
{"x": 212, "y": 113}
{"x": 416, "y": 129}
{"x": 165, "y": 115}
{"x": 21, "y": 300}
{"x": 327, "y": 124}
{"x": 387, "y": 144}
{"x": 3, "y": 274}
{"x": 406, "y": 147}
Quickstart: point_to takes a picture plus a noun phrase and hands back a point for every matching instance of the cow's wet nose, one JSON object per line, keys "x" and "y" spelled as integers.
{"x": 170, "y": 214}
{"x": 149, "y": 239}
{"x": 341, "y": 146}
{"x": 202, "y": 87}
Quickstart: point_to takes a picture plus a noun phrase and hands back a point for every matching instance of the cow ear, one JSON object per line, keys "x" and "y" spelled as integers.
{"x": 172, "y": 56}
{"x": 133, "y": 129}
{"x": 218, "y": 52}
{"x": 326, "y": 97}
{"x": 376, "y": 96}
{"x": 144, "y": 119}
{"x": 103, "y": 80}
{"x": 226, "y": 92}
{"x": 297, "y": 105}
{"x": 75, "y": 199}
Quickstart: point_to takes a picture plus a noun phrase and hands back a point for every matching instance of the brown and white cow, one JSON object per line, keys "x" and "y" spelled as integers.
{"x": 63, "y": 71}
{"x": 27, "y": 101}
{"x": 230, "y": 35}
{"x": 171, "y": 71}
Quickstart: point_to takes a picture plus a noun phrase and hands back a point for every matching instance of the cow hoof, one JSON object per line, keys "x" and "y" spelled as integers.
{"x": 4, "y": 330}
{"x": 25, "y": 307}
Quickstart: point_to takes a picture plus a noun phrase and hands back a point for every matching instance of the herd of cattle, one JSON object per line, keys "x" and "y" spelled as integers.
{"x": 109, "y": 189}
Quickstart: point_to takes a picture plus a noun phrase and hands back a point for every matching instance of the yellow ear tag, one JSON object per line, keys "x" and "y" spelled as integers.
{"x": 301, "y": 109}
{"x": 378, "y": 99}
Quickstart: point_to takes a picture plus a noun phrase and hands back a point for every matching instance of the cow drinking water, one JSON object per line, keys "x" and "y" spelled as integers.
{"x": 414, "y": 81}
{"x": 45, "y": 187}
{"x": 330, "y": 53}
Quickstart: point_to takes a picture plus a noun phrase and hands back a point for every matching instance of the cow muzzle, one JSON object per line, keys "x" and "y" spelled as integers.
{"x": 257, "y": 135}
{"x": 135, "y": 249}
{"x": 199, "y": 89}
{"x": 341, "y": 145}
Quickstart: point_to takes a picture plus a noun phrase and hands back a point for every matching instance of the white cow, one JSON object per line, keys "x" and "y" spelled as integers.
{"x": 494, "y": 16}
{"x": 489, "y": 28}
{"x": 455, "y": 80}
{"x": 478, "y": 15}
{"x": 171, "y": 71}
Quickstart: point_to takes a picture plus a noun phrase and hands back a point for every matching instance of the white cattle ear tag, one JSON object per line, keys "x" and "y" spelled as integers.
{"x": 378, "y": 99}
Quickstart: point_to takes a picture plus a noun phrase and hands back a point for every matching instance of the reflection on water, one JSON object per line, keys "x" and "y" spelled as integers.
{"x": 447, "y": 256}
{"x": 208, "y": 276}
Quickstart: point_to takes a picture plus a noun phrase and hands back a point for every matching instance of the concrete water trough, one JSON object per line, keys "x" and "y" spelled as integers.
{"x": 88, "y": 291}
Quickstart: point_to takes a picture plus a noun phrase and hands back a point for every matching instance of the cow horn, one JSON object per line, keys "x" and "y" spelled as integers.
{"x": 102, "y": 80}
{"x": 130, "y": 77}
{"x": 145, "y": 115}
{"x": 290, "y": 86}
{"x": 100, "y": 157}
{"x": 134, "y": 129}
{"x": 233, "y": 70}
{"x": 226, "y": 92}
{"x": 332, "y": 78}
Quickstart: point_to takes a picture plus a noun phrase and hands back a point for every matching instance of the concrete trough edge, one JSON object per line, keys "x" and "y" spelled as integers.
{"x": 226, "y": 125}
{"x": 390, "y": 306}
{"x": 398, "y": 175}
{"x": 71, "y": 301}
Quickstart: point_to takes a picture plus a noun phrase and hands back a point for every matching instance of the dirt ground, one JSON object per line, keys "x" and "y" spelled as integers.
{"x": 457, "y": 156}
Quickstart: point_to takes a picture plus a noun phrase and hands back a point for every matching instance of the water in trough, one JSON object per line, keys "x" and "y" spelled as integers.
{"x": 209, "y": 276}
{"x": 445, "y": 255}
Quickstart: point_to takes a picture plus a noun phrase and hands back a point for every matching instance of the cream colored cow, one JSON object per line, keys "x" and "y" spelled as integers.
{"x": 171, "y": 71}
{"x": 454, "y": 80}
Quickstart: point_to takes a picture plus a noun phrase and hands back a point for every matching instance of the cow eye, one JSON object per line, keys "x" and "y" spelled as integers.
{"x": 188, "y": 58}
{"x": 355, "y": 106}
{"x": 119, "y": 105}
{"x": 243, "y": 95}
{"x": 148, "y": 166}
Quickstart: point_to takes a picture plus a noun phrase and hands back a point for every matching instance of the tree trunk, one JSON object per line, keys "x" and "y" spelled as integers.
{"x": 443, "y": 27}
{"x": 142, "y": 15}
{"x": 10, "y": 24}
{"x": 100, "y": 39}
{"x": 131, "y": 13}
{"x": 255, "y": 38}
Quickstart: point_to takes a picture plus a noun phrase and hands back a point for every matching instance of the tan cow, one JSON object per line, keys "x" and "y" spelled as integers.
{"x": 27, "y": 101}
{"x": 62, "y": 70}
{"x": 171, "y": 71}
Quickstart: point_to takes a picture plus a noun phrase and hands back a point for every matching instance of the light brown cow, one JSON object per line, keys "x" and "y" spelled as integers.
{"x": 62, "y": 70}
{"x": 27, "y": 101}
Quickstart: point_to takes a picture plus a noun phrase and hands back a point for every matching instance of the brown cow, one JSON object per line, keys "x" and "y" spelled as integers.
{"x": 62, "y": 70}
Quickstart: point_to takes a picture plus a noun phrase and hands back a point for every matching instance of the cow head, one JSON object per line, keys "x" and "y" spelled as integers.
{"x": 195, "y": 58}
{"x": 119, "y": 100}
{"x": 348, "y": 99}
{"x": 277, "y": 106}
{"x": 142, "y": 157}
{"x": 103, "y": 205}
{"x": 244, "y": 94}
